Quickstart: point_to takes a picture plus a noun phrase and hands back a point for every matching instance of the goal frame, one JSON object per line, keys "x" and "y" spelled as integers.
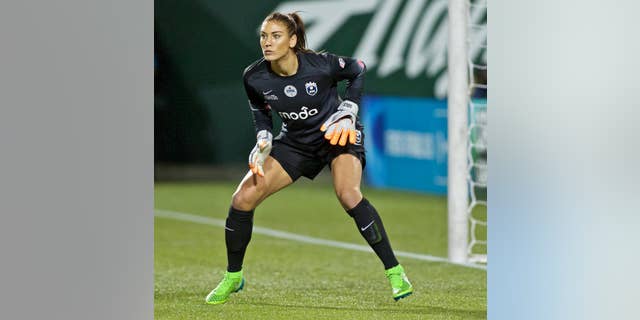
{"x": 457, "y": 118}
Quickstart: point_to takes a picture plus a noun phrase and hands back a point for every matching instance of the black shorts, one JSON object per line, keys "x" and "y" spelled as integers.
{"x": 308, "y": 160}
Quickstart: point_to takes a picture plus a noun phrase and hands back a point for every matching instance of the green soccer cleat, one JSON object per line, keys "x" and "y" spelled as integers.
{"x": 399, "y": 282}
{"x": 232, "y": 282}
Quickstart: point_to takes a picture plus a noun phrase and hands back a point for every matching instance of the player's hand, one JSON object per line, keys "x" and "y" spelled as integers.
{"x": 260, "y": 152}
{"x": 341, "y": 126}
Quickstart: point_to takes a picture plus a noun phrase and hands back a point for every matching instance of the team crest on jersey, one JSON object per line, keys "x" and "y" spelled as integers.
{"x": 290, "y": 91}
{"x": 311, "y": 88}
{"x": 341, "y": 62}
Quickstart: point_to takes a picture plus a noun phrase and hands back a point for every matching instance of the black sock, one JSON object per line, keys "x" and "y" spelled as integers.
{"x": 237, "y": 236}
{"x": 370, "y": 226}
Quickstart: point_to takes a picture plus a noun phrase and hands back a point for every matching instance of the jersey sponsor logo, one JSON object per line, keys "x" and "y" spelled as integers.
{"x": 264, "y": 93}
{"x": 341, "y": 62}
{"x": 311, "y": 87}
{"x": 303, "y": 114}
{"x": 290, "y": 91}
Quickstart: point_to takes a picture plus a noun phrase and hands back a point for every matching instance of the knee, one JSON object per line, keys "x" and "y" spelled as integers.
{"x": 247, "y": 199}
{"x": 349, "y": 197}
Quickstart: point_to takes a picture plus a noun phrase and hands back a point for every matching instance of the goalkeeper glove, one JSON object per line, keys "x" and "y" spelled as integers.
{"x": 260, "y": 152}
{"x": 342, "y": 124}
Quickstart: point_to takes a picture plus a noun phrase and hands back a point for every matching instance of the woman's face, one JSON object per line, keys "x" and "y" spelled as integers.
{"x": 275, "y": 40}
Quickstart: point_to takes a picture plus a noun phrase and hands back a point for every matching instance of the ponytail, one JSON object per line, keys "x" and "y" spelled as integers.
{"x": 301, "y": 44}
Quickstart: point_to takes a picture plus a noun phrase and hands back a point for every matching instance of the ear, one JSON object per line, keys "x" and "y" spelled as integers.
{"x": 293, "y": 41}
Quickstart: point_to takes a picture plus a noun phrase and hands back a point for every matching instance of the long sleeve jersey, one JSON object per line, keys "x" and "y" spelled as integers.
{"x": 303, "y": 100}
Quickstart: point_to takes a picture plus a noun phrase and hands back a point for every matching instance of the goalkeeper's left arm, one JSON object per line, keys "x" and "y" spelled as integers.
{"x": 341, "y": 125}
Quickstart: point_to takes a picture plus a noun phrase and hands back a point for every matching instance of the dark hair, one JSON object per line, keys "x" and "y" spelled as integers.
{"x": 294, "y": 25}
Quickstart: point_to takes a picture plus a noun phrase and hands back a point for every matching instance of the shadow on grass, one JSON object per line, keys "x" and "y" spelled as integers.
{"x": 405, "y": 309}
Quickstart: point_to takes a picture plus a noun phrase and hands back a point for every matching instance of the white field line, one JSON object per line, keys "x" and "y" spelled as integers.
{"x": 305, "y": 239}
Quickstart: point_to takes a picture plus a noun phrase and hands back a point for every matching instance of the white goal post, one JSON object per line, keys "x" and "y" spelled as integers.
{"x": 466, "y": 135}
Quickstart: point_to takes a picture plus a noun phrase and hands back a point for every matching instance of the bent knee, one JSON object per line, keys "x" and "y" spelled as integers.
{"x": 349, "y": 197}
{"x": 247, "y": 199}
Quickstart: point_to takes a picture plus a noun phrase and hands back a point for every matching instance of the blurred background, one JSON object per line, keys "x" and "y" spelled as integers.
{"x": 203, "y": 127}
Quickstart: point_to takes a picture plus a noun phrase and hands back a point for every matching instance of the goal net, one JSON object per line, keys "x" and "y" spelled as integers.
{"x": 477, "y": 148}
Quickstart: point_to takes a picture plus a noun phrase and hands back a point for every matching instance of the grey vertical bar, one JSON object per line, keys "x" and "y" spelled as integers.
{"x": 563, "y": 117}
{"x": 76, "y": 159}
{"x": 458, "y": 99}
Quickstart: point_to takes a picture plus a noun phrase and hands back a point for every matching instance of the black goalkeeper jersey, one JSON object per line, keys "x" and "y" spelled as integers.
{"x": 304, "y": 100}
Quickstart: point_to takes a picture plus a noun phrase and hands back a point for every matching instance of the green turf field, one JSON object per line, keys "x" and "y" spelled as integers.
{"x": 293, "y": 280}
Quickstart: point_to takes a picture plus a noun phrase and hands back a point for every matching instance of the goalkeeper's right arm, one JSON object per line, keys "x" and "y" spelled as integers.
{"x": 263, "y": 122}
{"x": 260, "y": 152}
{"x": 260, "y": 109}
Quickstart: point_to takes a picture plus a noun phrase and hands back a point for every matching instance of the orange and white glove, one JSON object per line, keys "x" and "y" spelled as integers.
{"x": 260, "y": 152}
{"x": 341, "y": 126}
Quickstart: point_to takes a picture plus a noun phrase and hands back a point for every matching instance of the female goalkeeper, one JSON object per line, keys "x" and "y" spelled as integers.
{"x": 318, "y": 128}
